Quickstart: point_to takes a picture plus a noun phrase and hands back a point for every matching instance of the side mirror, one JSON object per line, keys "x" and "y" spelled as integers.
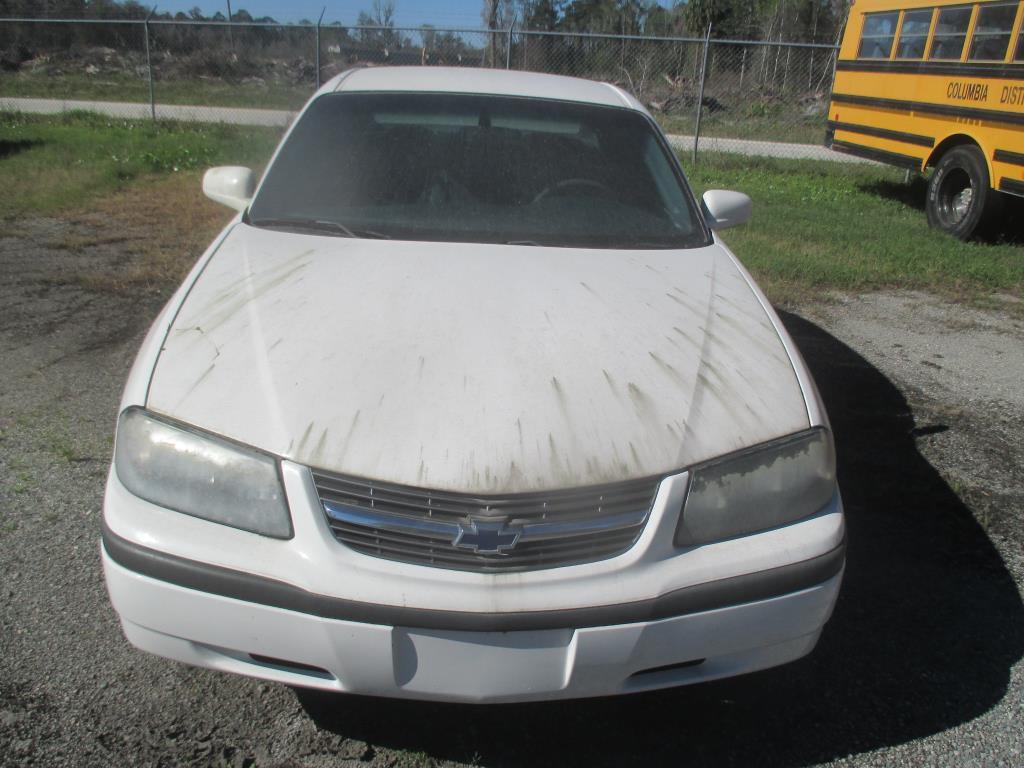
{"x": 230, "y": 185}
{"x": 724, "y": 208}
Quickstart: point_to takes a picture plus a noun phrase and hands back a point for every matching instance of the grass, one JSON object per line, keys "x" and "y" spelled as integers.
{"x": 50, "y": 163}
{"x": 167, "y": 223}
{"x": 786, "y": 125}
{"x": 63, "y": 449}
{"x": 112, "y": 87}
{"x": 822, "y": 226}
{"x": 16, "y": 479}
{"x": 129, "y": 185}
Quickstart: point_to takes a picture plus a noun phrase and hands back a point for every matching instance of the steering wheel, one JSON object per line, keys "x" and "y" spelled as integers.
{"x": 573, "y": 182}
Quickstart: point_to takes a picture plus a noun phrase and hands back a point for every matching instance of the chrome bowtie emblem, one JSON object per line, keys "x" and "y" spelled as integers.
{"x": 486, "y": 537}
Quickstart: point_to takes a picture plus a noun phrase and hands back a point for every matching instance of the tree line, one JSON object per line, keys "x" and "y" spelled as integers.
{"x": 784, "y": 20}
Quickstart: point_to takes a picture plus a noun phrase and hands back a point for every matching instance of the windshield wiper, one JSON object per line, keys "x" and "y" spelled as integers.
{"x": 318, "y": 225}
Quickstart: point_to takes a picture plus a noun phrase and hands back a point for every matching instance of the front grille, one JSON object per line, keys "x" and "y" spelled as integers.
{"x": 516, "y": 532}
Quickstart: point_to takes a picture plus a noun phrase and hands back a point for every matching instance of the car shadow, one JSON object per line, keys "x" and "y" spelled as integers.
{"x": 927, "y": 627}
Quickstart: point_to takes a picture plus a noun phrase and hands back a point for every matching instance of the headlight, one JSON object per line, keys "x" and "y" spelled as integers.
{"x": 761, "y": 488}
{"x": 200, "y": 475}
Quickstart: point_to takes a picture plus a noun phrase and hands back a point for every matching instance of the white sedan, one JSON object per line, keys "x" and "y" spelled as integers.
{"x": 470, "y": 403}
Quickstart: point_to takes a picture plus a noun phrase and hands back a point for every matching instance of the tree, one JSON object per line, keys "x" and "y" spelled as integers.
{"x": 728, "y": 18}
{"x": 490, "y": 16}
{"x": 540, "y": 14}
{"x": 378, "y": 27}
{"x": 661, "y": 21}
{"x": 384, "y": 13}
{"x": 428, "y": 36}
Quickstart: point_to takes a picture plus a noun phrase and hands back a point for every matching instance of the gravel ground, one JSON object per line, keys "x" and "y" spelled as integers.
{"x": 921, "y": 663}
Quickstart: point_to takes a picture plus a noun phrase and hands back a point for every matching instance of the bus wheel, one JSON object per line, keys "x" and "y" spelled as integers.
{"x": 960, "y": 198}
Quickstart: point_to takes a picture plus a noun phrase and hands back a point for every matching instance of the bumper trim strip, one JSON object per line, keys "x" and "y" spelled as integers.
{"x": 260, "y": 590}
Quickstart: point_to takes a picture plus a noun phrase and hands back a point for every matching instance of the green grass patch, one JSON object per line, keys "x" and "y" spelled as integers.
{"x": 776, "y": 124}
{"x": 819, "y": 225}
{"x": 126, "y": 88}
{"x": 49, "y": 163}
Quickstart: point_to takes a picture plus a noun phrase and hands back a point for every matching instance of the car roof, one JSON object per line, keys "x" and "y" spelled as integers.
{"x": 498, "y": 82}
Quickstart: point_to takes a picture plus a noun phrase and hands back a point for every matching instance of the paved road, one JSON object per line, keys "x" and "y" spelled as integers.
{"x": 281, "y": 118}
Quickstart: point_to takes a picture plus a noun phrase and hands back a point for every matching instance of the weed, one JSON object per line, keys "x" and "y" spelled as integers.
{"x": 22, "y": 482}
{"x": 63, "y": 449}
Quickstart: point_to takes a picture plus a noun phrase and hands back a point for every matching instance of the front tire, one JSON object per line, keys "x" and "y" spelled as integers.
{"x": 961, "y": 200}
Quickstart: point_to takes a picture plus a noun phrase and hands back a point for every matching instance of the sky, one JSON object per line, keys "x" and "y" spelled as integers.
{"x": 460, "y": 13}
{"x": 410, "y": 13}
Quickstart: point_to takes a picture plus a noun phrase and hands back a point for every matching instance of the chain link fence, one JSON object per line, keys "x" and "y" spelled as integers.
{"x": 760, "y": 98}
{"x": 755, "y": 97}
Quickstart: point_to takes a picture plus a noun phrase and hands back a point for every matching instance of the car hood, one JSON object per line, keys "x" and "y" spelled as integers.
{"x": 476, "y": 368}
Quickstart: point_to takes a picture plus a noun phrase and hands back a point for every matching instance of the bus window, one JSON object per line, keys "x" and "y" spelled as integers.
{"x": 992, "y": 32}
{"x": 914, "y": 34}
{"x": 879, "y": 31}
{"x": 950, "y": 33}
{"x": 1020, "y": 47}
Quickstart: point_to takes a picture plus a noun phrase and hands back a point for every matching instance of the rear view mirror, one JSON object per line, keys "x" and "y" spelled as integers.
{"x": 724, "y": 208}
{"x": 230, "y": 185}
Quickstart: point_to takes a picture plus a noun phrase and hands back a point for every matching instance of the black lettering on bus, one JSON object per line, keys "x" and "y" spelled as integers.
{"x": 1012, "y": 95}
{"x": 967, "y": 91}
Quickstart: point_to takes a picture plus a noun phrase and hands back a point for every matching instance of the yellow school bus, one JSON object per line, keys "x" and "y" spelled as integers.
{"x": 925, "y": 84}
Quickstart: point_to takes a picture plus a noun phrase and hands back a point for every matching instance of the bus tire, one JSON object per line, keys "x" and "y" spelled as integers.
{"x": 961, "y": 200}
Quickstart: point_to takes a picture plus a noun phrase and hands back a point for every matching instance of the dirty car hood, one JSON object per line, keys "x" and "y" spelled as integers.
{"x": 477, "y": 368}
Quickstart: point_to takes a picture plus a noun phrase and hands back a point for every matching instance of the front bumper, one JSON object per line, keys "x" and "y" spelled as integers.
{"x": 297, "y": 648}
{"x": 310, "y": 612}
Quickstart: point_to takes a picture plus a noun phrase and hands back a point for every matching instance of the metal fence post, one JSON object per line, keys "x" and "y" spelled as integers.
{"x": 149, "y": 65}
{"x": 700, "y": 92}
{"x": 508, "y": 44}
{"x": 835, "y": 61}
{"x": 317, "y": 57}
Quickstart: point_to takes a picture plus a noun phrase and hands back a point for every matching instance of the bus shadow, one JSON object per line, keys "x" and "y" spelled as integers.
{"x": 914, "y": 193}
{"x": 911, "y": 194}
{"x": 926, "y": 630}
{"x": 8, "y": 147}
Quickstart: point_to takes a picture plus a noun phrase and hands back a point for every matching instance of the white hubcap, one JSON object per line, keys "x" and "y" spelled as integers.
{"x": 962, "y": 202}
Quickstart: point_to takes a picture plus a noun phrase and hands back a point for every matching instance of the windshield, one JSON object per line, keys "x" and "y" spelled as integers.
{"x": 485, "y": 169}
